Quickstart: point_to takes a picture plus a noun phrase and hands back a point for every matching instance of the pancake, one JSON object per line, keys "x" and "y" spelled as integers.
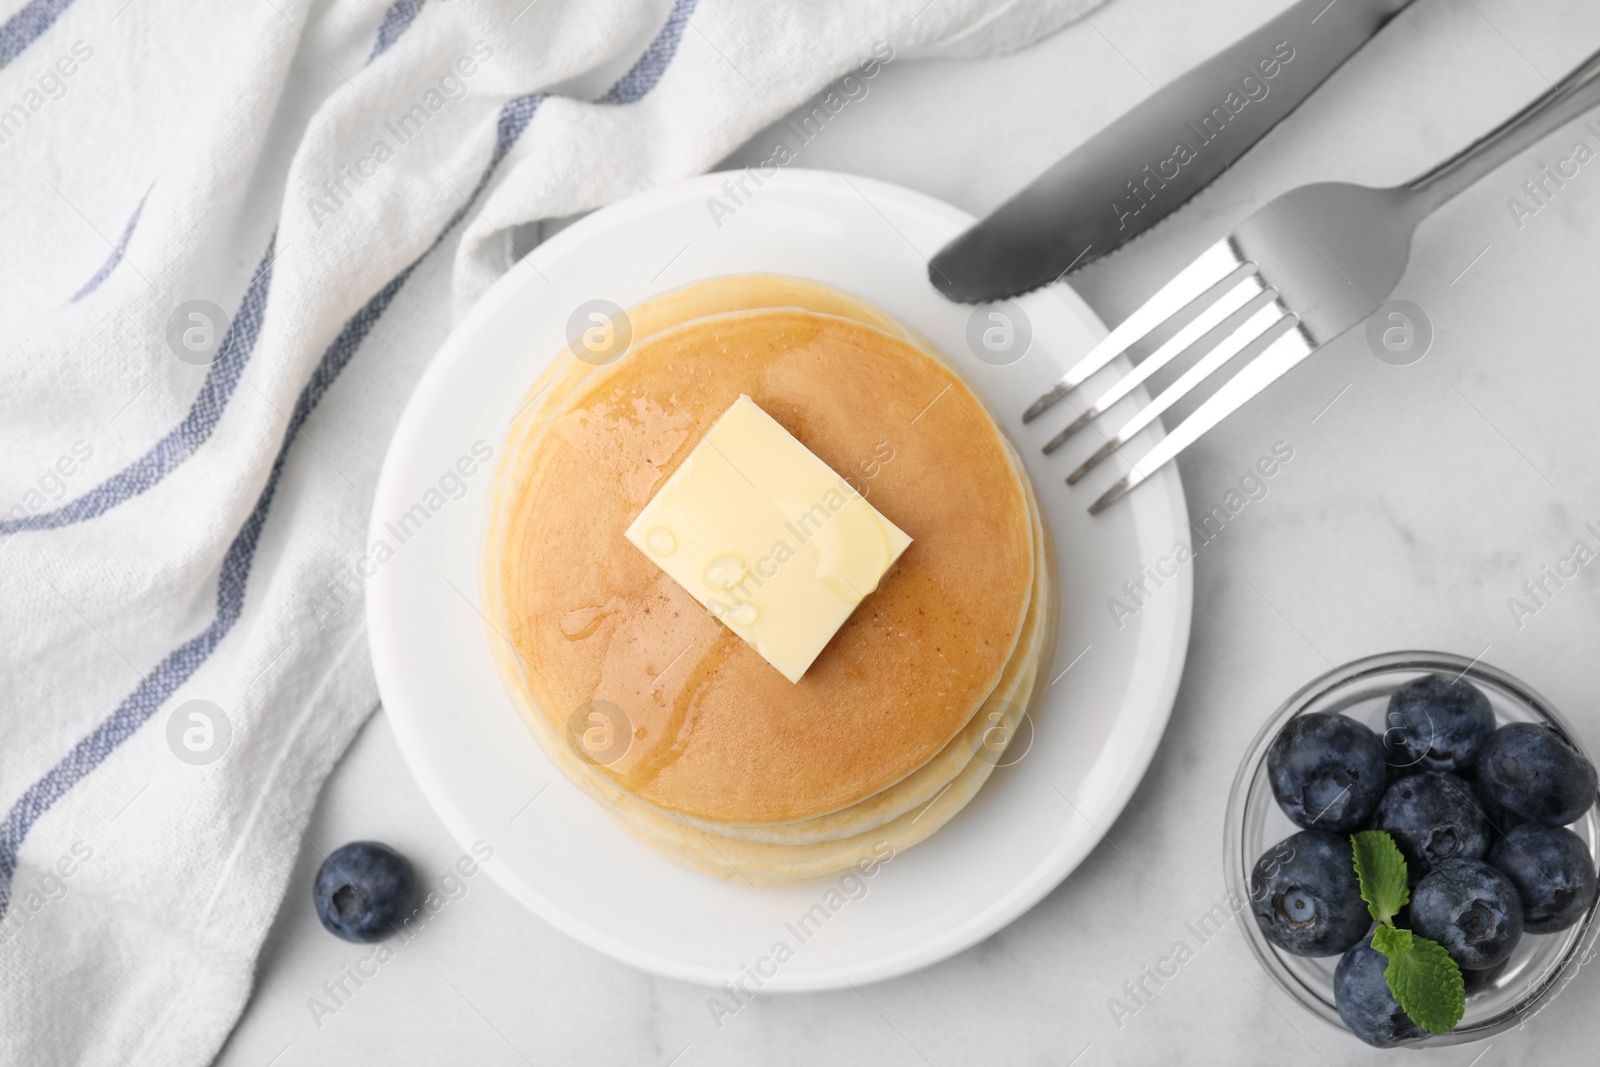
{"x": 856, "y": 836}
{"x": 731, "y": 768}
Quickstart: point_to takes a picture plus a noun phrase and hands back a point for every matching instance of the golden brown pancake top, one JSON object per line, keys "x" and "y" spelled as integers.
{"x": 719, "y": 734}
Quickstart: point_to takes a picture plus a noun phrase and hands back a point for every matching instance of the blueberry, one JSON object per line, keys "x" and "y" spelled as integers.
{"x": 1327, "y": 772}
{"x": 1499, "y": 819}
{"x": 1471, "y": 909}
{"x": 1436, "y": 723}
{"x": 364, "y": 890}
{"x": 1433, "y": 817}
{"x": 1533, "y": 771}
{"x": 1306, "y": 896}
{"x": 1365, "y": 1003}
{"x": 1553, "y": 872}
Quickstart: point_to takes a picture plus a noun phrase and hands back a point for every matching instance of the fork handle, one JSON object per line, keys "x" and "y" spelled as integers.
{"x": 1566, "y": 100}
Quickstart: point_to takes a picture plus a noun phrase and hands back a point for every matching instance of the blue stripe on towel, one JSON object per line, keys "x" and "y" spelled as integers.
{"x": 396, "y": 21}
{"x": 183, "y": 440}
{"x": 181, "y": 664}
{"x": 647, "y": 71}
{"x": 116, "y": 254}
{"x": 27, "y": 26}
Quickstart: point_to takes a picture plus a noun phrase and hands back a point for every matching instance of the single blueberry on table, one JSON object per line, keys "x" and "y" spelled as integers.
{"x": 1433, "y": 817}
{"x": 1436, "y": 723}
{"x": 1327, "y": 771}
{"x": 1471, "y": 909}
{"x": 1553, "y": 872}
{"x": 364, "y": 890}
{"x": 1533, "y": 771}
{"x": 1365, "y": 1003}
{"x": 1306, "y": 896}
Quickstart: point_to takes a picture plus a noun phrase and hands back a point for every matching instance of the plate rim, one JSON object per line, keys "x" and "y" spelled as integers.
{"x": 998, "y": 911}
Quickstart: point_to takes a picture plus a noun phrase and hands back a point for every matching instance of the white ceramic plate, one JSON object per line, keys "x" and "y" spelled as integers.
{"x": 1095, "y": 727}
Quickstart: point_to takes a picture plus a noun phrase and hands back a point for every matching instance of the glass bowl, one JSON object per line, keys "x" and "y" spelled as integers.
{"x": 1542, "y": 964}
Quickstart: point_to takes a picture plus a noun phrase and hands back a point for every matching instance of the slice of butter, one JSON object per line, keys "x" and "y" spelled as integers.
{"x": 767, "y": 537}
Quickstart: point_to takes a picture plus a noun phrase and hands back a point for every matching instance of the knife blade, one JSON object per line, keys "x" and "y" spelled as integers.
{"x": 1153, "y": 159}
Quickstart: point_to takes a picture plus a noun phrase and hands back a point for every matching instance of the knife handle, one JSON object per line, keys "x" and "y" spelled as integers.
{"x": 1175, "y": 142}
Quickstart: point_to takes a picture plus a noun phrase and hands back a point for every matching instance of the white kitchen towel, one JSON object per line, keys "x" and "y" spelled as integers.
{"x": 232, "y": 235}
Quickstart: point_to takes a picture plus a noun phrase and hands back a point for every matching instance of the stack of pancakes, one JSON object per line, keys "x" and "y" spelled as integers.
{"x": 658, "y": 710}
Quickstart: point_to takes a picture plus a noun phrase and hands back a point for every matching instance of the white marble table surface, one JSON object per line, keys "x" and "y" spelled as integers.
{"x": 1415, "y": 506}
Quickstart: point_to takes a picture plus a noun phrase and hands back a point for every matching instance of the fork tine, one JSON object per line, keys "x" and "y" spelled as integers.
{"x": 1212, "y": 266}
{"x": 1232, "y": 300}
{"x": 1275, "y": 360}
{"x": 1265, "y": 320}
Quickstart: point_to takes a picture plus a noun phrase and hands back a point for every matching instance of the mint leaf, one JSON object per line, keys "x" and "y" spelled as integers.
{"x": 1391, "y": 942}
{"x": 1423, "y": 978}
{"x": 1382, "y": 871}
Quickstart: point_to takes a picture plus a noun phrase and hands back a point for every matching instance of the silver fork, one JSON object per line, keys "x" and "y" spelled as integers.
{"x": 1292, "y": 277}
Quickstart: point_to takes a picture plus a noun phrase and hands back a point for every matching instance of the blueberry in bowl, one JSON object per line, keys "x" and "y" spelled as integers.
{"x": 1531, "y": 770}
{"x": 1433, "y": 817}
{"x": 1553, "y": 873}
{"x": 1327, "y": 772}
{"x": 1436, "y": 723}
{"x": 1499, "y": 819}
{"x": 1471, "y": 909}
{"x": 363, "y": 891}
{"x": 1306, "y": 897}
{"x": 1365, "y": 1003}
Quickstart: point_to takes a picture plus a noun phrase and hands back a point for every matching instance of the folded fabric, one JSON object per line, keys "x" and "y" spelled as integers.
{"x": 234, "y": 235}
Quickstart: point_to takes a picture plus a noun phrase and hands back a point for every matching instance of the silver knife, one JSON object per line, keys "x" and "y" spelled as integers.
{"x": 1152, "y": 160}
